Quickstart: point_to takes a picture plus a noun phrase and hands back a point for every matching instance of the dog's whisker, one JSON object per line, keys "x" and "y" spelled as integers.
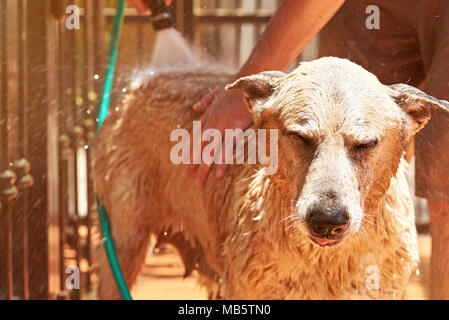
{"x": 361, "y": 220}
{"x": 370, "y": 222}
{"x": 290, "y": 227}
{"x": 357, "y": 237}
{"x": 289, "y": 217}
{"x": 365, "y": 233}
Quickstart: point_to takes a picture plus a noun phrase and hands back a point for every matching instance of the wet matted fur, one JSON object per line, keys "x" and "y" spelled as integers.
{"x": 342, "y": 136}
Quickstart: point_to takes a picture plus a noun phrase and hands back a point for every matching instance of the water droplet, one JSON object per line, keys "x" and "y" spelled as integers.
{"x": 96, "y": 76}
{"x": 79, "y": 101}
{"x": 124, "y": 90}
{"x": 92, "y": 96}
{"x": 86, "y": 147}
{"x": 165, "y": 233}
{"x": 117, "y": 109}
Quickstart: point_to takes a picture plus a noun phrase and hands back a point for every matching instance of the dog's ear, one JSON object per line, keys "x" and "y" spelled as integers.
{"x": 416, "y": 104}
{"x": 258, "y": 87}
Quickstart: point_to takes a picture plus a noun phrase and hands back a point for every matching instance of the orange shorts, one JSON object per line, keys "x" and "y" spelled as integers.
{"x": 411, "y": 46}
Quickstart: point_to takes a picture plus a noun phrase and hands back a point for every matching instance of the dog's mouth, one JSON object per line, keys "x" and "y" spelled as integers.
{"x": 324, "y": 242}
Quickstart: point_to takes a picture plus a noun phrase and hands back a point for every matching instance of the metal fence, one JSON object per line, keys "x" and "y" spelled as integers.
{"x": 50, "y": 83}
{"x": 48, "y": 98}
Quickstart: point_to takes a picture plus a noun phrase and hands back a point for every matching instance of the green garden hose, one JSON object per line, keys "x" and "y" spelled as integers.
{"x": 102, "y": 114}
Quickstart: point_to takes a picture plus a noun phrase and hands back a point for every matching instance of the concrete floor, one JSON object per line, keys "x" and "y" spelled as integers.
{"x": 162, "y": 278}
{"x": 418, "y": 288}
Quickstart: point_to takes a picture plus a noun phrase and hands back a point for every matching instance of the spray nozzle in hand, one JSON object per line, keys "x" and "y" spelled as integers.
{"x": 159, "y": 12}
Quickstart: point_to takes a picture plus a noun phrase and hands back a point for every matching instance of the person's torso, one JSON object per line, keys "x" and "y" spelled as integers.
{"x": 386, "y": 37}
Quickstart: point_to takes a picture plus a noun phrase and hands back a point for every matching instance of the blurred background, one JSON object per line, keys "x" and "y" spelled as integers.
{"x": 51, "y": 79}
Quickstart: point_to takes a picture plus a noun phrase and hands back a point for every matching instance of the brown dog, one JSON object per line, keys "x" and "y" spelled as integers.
{"x": 335, "y": 221}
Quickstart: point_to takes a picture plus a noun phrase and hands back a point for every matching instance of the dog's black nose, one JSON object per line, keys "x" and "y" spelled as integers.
{"x": 327, "y": 223}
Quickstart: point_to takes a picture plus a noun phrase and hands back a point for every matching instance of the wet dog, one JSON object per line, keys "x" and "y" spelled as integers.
{"x": 335, "y": 221}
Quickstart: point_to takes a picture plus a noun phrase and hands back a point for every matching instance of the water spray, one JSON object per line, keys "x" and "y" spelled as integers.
{"x": 170, "y": 48}
{"x": 161, "y": 19}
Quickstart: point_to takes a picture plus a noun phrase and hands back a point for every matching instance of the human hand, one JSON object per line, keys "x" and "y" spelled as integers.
{"x": 142, "y": 10}
{"x": 223, "y": 110}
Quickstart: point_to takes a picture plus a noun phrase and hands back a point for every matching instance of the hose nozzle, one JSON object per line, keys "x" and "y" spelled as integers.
{"x": 161, "y": 19}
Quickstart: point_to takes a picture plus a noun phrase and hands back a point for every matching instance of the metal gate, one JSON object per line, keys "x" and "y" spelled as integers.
{"x": 46, "y": 99}
{"x": 50, "y": 82}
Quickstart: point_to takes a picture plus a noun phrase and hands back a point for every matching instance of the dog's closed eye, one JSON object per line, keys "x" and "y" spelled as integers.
{"x": 366, "y": 145}
{"x": 301, "y": 133}
{"x": 306, "y": 139}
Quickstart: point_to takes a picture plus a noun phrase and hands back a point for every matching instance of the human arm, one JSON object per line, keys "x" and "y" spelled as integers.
{"x": 141, "y": 8}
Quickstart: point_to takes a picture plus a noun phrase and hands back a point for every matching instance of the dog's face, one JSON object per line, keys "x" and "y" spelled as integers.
{"x": 341, "y": 137}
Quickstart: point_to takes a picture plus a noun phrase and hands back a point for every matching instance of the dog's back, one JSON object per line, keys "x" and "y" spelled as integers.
{"x": 144, "y": 193}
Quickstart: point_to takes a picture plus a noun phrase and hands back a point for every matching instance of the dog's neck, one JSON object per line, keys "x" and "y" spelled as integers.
{"x": 272, "y": 242}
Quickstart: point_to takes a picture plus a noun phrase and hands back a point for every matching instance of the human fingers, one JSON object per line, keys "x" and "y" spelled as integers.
{"x": 220, "y": 171}
{"x": 205, "y": 101}
{"x": 139, "y": 6}
{"x": 197, "y": 145}
{"x": 211, "y": 154}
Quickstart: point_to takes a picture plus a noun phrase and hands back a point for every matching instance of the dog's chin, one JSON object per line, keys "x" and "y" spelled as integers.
{"x": 322, "y": 242}
{"x": 326, "y": 242}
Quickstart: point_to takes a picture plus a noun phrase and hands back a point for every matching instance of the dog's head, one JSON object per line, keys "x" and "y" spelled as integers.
{"x": 341, "y": 137}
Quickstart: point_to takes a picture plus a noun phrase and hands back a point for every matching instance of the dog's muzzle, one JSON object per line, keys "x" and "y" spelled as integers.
{"x": 327, "y": 226}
